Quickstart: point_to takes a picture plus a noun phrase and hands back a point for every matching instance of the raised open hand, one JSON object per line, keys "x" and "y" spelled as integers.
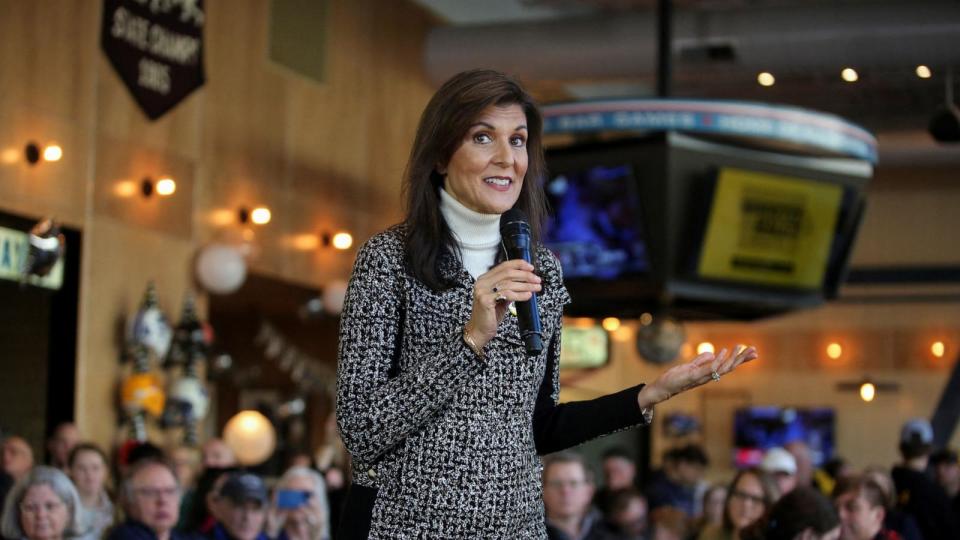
{"x": 703, "y": 368}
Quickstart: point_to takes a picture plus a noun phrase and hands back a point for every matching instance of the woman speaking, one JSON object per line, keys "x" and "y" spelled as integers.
{"x": 441, "y": 408}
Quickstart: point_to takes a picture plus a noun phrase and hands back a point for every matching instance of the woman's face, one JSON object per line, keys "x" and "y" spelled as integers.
{"x": 745, "y": 503}
{"x": 89, "y": 473}
{"x": 486, "y": 172}
{"x": 43, "y": 516}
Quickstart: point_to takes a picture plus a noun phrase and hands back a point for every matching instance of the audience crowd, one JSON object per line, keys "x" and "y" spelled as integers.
{"x": 193, "y": 493}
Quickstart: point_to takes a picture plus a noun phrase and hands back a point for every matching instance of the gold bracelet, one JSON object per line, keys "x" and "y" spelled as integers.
{"x": 471, "y": 343}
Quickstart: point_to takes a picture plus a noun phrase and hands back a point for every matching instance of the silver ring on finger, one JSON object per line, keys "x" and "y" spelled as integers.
{"x": 715, "y": 376}
{"x": 500, "y": 298}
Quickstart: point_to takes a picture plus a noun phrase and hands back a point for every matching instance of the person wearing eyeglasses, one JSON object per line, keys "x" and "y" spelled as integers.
{"x": 151, "y": 498}
{"x": 750, "y": 495}
{"x": 567, "y": 491}
{"x": 43, "y": 505}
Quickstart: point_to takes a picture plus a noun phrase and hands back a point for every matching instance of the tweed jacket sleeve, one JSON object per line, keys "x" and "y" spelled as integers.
{"x": 376, "y": 408}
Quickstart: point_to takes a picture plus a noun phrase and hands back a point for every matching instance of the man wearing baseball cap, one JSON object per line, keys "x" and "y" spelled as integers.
{"x": 240, "y": 508}
{"x": 782, "y": 467}
{"x": 917, "y": 493}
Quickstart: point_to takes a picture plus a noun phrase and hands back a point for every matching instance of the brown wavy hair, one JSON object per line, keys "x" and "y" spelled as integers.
{"x": 443, "y": 125}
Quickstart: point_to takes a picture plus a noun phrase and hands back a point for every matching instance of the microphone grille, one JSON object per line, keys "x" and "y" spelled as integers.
{"x": 513, "y": 217}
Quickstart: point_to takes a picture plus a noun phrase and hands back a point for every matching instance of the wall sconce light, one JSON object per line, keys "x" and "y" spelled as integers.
{"x": 938, "y": 349}
{"x": 50, "y": 153}
{"x": 834, "y": 350}
{"x": 867, "y": 388}
{"x": 611, "y": 324}
{"x": 258, "y": 216}
{"x": 341, "y": 240}
{"x": 164, "y": 187}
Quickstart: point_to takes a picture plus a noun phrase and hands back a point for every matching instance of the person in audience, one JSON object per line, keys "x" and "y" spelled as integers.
{"x": 61, "y": 442}
{"x": 151, "y": 498}
{"x": 825, "y": 478}
{"x": 217, "y": 455}
{"x": 860, "y": 504}
{"x": 619, "y": 473}
{"x": 714, "y": 498}
{"x": 918, "y": 494}
{"x": 627, "y": 514}
{"x": 669, "y": 523}
{"x": 751, "y": 494}
{"x": 946, "y": 471}
{"x": 240, "y": 508}
{"x": 676, "y": 484}
{"x": 186, "y": 463}
{"x": 802, "y": 514}
{"x": 17, "y": 457}
{"x": 804, "y": 458}
{"x": 308, "y": 520}
{"x": 895, "y": 520}
{"x": 87, "y": 466}
{"x": 43, "y": 505}
{"x": 782, "y": 467}
{"x": 567, "y": 493}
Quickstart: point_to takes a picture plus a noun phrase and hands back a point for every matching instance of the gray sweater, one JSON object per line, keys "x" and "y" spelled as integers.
{"x": 449, "y": 441}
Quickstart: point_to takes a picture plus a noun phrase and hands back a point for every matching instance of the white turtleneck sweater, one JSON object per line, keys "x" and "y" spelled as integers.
{"x": 478, "y": 235}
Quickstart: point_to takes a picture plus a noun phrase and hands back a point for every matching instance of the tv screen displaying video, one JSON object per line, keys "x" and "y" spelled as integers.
{"x": 757, "y": 429}
{"x": 595, "y": 227}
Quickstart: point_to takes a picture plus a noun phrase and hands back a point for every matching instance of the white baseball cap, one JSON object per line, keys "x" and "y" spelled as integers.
{"x": 777, "y": 460}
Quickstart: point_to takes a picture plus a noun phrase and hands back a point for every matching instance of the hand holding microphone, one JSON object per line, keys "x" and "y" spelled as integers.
{"x": 510, "y": 281}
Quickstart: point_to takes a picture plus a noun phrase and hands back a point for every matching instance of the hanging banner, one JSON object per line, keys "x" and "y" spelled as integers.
{"x": 156, "y": 46}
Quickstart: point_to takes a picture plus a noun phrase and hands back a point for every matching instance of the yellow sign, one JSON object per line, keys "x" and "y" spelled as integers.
{"x": 14, "y": 246}
{"x": 770, "y": 229}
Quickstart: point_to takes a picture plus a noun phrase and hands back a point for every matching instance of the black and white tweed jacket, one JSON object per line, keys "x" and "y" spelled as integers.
{"x": 445, "y": 444}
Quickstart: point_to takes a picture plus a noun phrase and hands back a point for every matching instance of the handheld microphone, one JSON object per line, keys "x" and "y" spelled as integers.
{"x": 515, "y": 238}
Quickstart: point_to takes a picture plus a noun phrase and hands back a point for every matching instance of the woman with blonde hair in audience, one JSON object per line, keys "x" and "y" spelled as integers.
{"x": 750, "y": 495}
{"x": 43, "y": 505}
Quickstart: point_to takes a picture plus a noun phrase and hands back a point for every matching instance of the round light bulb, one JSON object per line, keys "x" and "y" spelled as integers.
{"x": 52, "y": 153}
{"x": 766, "y": 79}
{"x": 834, "y": 350}
{"x": 611, "y": 324}
{"x": 705, "y": 347}
{"x": 260, "y": 215}
{"x": 166, "y": 187}
{"x": 646, "y": 319}
{"x": 868, "y": 391}
{"x": 938, "y": 349}
{"x": 924, "y": 72}
{"x": 342, "y": 240}
{"x": 849, "y": 75}
{"x": 251, "y": 437}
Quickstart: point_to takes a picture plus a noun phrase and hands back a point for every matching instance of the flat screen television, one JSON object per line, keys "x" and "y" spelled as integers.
{"x": 698, "y": 229}
{"x": 757, "y": 429}
{"x": 584, "y": 347}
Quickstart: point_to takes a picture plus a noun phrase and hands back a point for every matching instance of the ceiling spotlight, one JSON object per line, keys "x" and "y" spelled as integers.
{"x": 834, "y": 350}
{"x": 705, "y": 347}
{"x": 868, "y": 391}
{"x": 938, "y": 349}
{"x": 766, "y": 79}
{"x": 924, "y": 72}
{"x": 849, "y": 75}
